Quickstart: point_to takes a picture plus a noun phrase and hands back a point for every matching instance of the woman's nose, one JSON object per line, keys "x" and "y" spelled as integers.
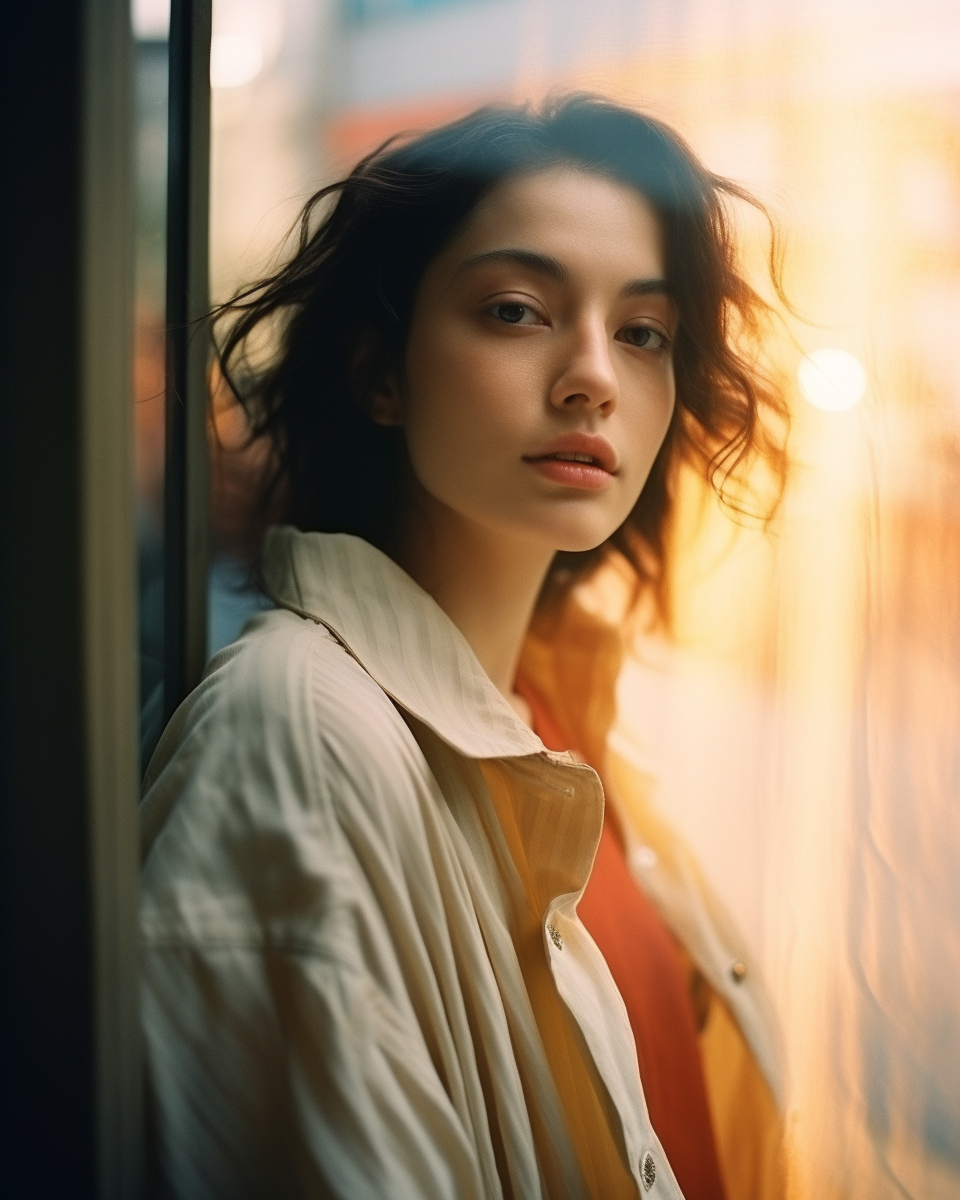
{"x": 587, "y": 379}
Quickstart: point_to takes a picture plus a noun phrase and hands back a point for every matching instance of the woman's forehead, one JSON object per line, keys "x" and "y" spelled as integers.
{"x": 578, "y": 219}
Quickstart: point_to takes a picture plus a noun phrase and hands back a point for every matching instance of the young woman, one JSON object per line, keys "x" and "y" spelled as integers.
{"x": 395, "y": 946}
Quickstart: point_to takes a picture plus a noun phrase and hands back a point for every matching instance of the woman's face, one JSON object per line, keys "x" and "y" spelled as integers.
{"x": 538, "y": 379}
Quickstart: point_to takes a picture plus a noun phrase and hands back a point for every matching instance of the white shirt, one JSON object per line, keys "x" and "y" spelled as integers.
{"x": 333, "y": 1003}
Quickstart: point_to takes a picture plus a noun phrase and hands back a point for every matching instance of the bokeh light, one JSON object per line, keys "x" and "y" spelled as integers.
{"x": 833, "y": 380}
{"x": 235, "y": 59}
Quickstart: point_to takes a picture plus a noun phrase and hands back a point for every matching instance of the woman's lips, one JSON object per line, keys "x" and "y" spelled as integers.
{"x": 572, "y": 474}
{"x": 576, "y": 459}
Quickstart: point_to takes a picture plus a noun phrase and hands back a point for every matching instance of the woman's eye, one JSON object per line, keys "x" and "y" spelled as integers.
{"x": 645, "y": 337}
{"x": 514, "y": 313}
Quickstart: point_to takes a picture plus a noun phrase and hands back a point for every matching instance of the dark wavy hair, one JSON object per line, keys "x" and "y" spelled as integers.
{"x": 337, "y": 314}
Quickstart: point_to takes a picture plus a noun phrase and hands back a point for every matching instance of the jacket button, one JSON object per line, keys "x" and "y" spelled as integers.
{"x": 555, "y": 936}
{"x": 738, "y": 971}
{"x": 648, "y": 1171}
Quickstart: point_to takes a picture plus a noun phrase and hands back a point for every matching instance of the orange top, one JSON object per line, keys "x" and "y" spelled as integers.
{"x": 647, "y": 966}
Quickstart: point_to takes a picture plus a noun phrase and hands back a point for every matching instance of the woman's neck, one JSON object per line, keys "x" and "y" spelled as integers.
{"x": 486, "y": 583}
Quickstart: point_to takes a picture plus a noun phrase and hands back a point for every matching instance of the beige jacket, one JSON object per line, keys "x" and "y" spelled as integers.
{"x": 336, "y": 1000}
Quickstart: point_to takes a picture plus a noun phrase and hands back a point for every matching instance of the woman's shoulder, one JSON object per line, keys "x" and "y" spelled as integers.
{"x": 284, "y": 671}
{"x": 286, "y": 754}
{"x": 285, "y": 709}
{"x": 278, "y": 654}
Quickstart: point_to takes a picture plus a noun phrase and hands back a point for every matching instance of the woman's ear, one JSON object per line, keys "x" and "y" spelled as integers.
{"x": 383, "y": 406}
{"x": 375, "y": 385}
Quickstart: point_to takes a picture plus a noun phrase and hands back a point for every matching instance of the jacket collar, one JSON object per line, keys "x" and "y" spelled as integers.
{"x": 398, "y": 634}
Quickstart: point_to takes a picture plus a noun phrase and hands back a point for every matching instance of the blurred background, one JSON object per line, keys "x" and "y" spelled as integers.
{"x": 802, "y": 722}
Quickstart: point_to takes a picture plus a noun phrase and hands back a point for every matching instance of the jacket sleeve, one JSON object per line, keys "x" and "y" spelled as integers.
{"x": 278, "y": 1062}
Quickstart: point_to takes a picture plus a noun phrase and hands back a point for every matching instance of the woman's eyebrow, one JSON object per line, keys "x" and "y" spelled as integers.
{"x": 552, "y": 268}
{"x": 647, "y": 287}
{"x": 542, "y": 264}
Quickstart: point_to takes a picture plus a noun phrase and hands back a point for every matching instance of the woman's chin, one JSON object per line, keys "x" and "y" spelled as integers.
{"x": 576, "y": 532}
{"x": 582, "y": 540}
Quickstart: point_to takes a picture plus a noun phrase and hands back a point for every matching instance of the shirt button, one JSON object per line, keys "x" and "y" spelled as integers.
{"x": 648, "y": 1171}
{"x": 738, "y": 970}
{"x": 555, "y": 936}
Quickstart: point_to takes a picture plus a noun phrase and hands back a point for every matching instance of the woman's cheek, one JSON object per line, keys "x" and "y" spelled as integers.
{"x": 487, "y": 393}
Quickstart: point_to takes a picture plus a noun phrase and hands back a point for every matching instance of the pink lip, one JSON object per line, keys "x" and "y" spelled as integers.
{"x": 591, "y": 476}
{"x": 571, "y": 474}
